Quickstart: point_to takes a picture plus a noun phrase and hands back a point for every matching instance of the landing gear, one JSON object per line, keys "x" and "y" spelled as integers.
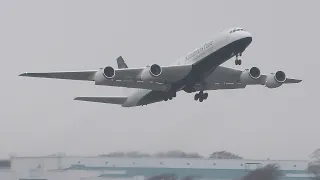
{"x": 238, "y": 61}
{"x": 170, "y": 96}
{"x": 200, "y": 96}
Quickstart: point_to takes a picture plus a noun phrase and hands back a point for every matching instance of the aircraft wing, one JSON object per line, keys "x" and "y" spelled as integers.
{"x": 71, "y": 75}
{"x": 168, "y": 74}
{"x": 91, "y": 76}
{"x": 218, "y": 86}
{"x": 228, "y": 78}
{"x": 128, "y": 77}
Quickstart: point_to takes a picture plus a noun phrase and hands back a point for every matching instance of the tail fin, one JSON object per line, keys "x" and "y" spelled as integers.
{"x": 122, "y": 65}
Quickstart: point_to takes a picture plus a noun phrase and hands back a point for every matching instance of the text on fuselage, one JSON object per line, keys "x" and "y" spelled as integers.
{"x": 198, "y": 51}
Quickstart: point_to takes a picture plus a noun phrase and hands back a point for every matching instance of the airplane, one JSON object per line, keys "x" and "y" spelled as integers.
{"x": 198, "y": 71}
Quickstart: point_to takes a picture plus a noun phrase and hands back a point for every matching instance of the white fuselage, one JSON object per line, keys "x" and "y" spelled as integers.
{"x": 227, "y": 39}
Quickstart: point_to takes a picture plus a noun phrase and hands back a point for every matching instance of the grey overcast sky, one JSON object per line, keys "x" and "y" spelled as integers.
{"x": 39, "y": 116}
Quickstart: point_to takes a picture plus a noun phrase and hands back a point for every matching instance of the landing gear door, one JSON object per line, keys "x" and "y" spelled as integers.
{"x": 252, "y": 166}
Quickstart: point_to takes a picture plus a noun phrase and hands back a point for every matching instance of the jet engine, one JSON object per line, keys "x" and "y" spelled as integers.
{"x": 249, "y": 76}
{"x": 275, "y": 80}
{"x": 109, "y": 72}
{"x": 104, "y": 74}
{"x": 151, "y": 72}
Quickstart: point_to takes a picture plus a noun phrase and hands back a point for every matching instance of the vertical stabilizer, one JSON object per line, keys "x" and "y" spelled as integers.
{"x": 122, "y": 65}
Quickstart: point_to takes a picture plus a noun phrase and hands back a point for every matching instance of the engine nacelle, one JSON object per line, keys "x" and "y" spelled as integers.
{"x": 275, "y": 80}
{"x": 103, "y": 75}
{"x": 150, "y": 73}
{"x": 251, "y": 75}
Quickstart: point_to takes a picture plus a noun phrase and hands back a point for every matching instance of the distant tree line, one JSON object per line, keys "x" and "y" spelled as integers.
{"x": 224, "y": 155}
{"x": 316, "y": 155}
{"x": 174, "y": 154}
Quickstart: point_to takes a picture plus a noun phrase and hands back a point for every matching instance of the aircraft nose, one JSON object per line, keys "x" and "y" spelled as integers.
{"x": 246, "y": 34}
{"x": 245, "y": 40}
{"x": 247, "y": 37}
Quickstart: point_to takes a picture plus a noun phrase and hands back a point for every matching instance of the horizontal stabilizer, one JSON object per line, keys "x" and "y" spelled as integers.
{"x": 108, "y": 100}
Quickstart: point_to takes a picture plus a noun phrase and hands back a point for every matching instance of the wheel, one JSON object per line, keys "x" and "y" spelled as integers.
{"x": 205, "y": 96}
{"x": 238, "y": 62}
{"x": 170, "y": 98}
{"x": 196, "y": 97}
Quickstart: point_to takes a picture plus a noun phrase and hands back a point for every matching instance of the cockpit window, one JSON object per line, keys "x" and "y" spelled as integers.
{"x": 237, "y": 29}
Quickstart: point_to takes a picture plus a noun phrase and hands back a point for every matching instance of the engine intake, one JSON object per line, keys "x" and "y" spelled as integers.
{"x": 109, "y": 72}
{"x": 254, "y": 73}
{"x": 251, "y": 75}
{"x": 151, "y": 73}
{"x": 275, "y": 80}
{"x": 280, "y": 76}
{"x": 155, "y": 70}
